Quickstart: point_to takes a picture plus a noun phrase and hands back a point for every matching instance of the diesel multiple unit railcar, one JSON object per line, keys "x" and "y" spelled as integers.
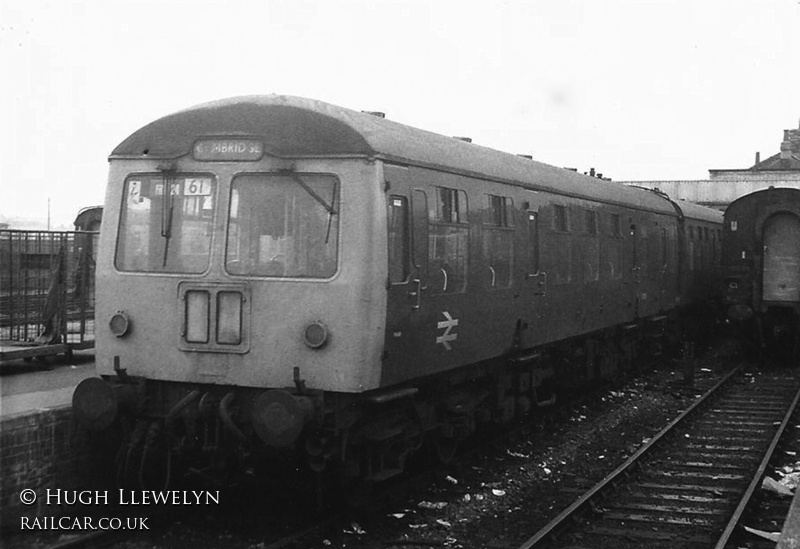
{"x": 761, "y": 266}
{"x": 281, "y": 275}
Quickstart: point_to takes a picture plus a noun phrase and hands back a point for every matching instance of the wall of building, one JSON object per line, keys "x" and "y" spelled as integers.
{"x": 40, "y": 451}
{"x": 718, "y": 193}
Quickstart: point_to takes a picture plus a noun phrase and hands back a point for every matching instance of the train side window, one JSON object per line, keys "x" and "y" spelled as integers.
{"x": 560, "y": 218}
{"x": 591, "y": 256}
{"x": 655, "y": 251}
{"x": 561, "y": 255}
{"x": 451, "y": 206}
{"x": 398, "y": 239}
{"x": 498, "y": 241}
{"x": 501, "y": 211}
{"x": 643, "y": 248}
{"x": 533, "y": 243}
{"x": 448, "y": 242}
{"x": 590, "y": 221}
{"x": 419, "y": 205}
{"x": 634, "y": 246}
{"x": 616, "y": 225}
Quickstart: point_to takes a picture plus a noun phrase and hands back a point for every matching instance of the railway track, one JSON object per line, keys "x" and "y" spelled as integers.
{"x": 690, "y": 485}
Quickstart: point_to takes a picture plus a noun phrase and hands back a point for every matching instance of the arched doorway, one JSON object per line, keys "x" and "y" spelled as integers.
{"x": 781, "y": 275}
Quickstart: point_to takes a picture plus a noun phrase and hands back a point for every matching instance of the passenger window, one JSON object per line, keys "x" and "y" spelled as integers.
{"x": 398, "y": 239}
{"x": 533, "y": 243}
{"x": 498, "y": 241}
{"x": 655, "y": 252}
{"x": 560, "y": 218}
{"x": 448, "y": 241}
{"x": 419, "y": 204}
{"x": 643, "y": 247}
{"x": 451, "y": 206}
{"x": 591, "y": 259}
{"x": 590, "y": 222}
{"x": 616, "y": 225}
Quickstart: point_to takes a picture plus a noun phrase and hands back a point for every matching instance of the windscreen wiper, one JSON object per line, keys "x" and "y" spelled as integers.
{"x": 328, "y": 207}
{"x": 167, "y": 210}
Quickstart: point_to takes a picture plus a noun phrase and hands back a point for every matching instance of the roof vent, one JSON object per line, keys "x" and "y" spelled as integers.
{"x": 378, "y": 114}
{"x": 464, "y": 139}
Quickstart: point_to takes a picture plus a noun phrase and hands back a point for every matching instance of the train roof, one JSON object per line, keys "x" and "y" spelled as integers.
{"x": 760, "y": 196}
{"x": 293, "y": 127}
{"x": 691, "y": 210}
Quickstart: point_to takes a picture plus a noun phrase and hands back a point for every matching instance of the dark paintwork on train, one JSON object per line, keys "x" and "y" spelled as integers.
{"x": 761, "y": 265}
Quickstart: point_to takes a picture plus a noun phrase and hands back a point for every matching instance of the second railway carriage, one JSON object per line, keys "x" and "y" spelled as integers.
{"x": 761, "y": 265}
{"x": 281, "y": 273}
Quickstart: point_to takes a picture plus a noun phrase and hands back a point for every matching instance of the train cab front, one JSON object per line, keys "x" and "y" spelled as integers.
{"x": 234, "y": 289}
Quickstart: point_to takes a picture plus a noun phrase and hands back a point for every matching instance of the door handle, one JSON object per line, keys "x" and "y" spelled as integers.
{"x": 416, "y": 293}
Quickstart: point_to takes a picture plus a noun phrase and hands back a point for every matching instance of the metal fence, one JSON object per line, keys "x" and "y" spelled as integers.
{"x": 47, "y": 286}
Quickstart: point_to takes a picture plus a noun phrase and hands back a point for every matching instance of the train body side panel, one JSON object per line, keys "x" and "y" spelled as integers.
{"x": 576, "y": 266}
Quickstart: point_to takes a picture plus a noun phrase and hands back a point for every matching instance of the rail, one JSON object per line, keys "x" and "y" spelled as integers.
{"x": 585, "y": 516}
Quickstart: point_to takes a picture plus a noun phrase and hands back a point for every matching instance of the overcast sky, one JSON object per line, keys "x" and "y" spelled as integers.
{"x": 662, "y": 89}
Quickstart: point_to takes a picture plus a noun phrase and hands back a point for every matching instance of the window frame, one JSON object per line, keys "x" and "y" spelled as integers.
{"x": 167, "y": 178}
{"x": 335, "y": 227}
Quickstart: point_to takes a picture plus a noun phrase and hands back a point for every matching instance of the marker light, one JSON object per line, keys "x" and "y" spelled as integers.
{"x": 119, "y": 324}
{"x": 315, "y": 335}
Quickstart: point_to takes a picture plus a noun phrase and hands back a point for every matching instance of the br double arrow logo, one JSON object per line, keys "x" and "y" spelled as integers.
{"x": 448, "y": 326}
